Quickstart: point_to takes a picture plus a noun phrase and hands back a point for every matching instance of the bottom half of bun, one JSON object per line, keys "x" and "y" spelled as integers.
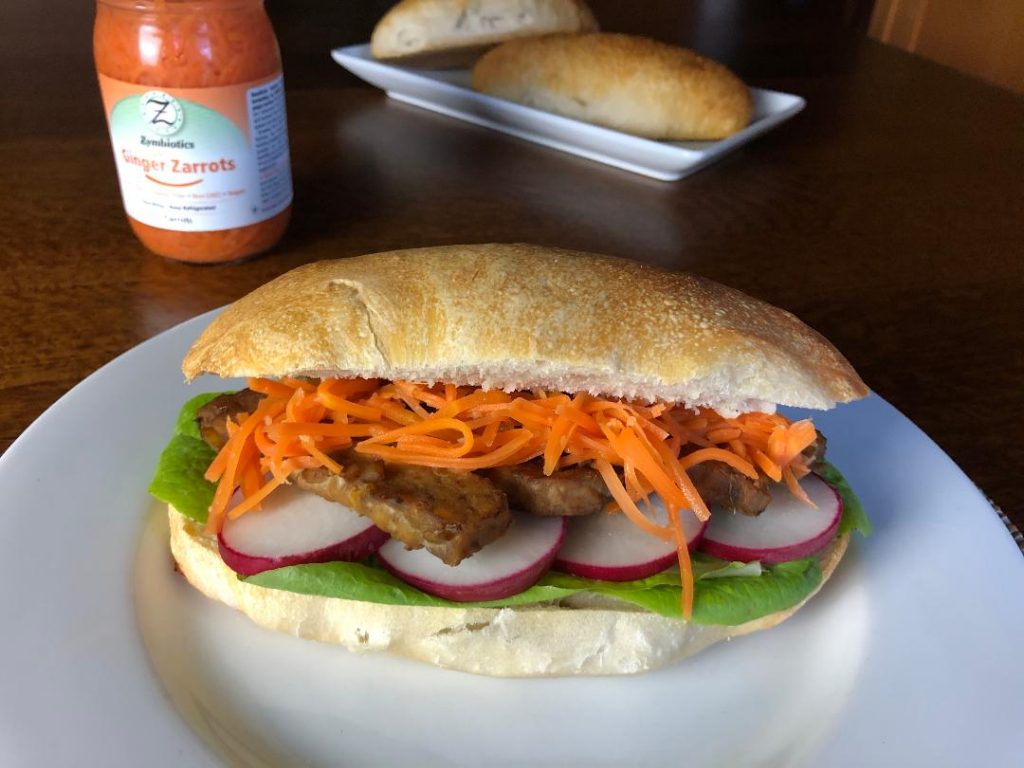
{"x": 577, "y": 636}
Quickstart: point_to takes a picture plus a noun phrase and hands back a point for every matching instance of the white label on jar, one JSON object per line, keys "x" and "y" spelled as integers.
{"x": 200, "y": 159}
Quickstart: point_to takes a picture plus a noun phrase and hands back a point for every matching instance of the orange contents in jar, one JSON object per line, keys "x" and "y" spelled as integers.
{"x": 195, "y": 103}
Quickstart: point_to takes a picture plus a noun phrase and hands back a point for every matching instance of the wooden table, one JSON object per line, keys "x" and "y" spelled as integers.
{"x": 888, "y": 215}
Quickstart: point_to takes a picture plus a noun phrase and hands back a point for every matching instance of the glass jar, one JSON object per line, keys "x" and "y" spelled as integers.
{"x": 194, "y": 98}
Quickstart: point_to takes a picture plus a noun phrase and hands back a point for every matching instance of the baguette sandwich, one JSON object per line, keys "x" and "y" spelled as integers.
{"x": 508, "y": 460}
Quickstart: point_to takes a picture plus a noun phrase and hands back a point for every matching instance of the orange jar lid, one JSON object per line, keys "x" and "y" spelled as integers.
{"x": 194, "y": 97}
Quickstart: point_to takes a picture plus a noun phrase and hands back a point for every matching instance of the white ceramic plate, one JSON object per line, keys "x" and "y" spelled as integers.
{"x": 911, "y": 656}
{"x": 449, "y": 92}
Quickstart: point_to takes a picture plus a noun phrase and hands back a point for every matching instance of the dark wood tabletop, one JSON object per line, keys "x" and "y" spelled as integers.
{"x": 889, "y": 215}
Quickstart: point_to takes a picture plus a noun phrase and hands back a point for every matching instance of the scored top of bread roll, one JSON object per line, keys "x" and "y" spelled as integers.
{"x": 632, "y": 84}
{"x": 515, "y": 316}
{"x": 451, "y": 33}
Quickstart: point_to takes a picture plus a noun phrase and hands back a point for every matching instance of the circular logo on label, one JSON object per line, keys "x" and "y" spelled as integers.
{"x": 162, "y": 112}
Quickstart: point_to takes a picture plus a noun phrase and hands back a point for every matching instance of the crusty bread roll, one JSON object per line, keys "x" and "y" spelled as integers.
{"x": 606, "y": 639}
{"x": 523, "y": 316}
{"x": 452, "y": 33}
{"x": 631, "y": 84}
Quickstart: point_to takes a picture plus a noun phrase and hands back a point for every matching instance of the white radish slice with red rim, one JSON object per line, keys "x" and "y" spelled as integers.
{"x": 504, "y": 567}
{"x": 788, "y": 529}
{"x": 295, "y": 527}
{"x": 607, "y": 546}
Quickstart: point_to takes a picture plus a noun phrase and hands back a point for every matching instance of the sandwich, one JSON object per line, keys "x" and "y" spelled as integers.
{"x": 509, "y": 460}
{"x": 631, "y": 84}
{"x": 441, "y": 34}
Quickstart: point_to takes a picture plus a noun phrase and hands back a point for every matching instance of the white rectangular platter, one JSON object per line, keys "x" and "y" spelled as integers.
{"x": 449, "y": 92}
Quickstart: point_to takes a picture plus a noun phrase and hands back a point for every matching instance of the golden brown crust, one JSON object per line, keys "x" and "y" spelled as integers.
{"x": 450, "y": 33}
{"x": 522, "y": 316}
{"x": 631, "y": 84}
{"x": 527, "y": 641}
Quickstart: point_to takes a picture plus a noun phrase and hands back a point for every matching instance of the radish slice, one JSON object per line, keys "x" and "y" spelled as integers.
{"x": 293, "y": 527}
{"x": 608, "y": 546}
{"x": 502, "y": 568}
{"x": 787, "y": 530}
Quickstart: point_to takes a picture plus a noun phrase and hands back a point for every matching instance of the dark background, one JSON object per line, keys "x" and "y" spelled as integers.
{"x": 758, "y": 38}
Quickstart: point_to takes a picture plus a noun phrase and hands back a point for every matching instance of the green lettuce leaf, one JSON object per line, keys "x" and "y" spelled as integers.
{"x": 854, "y": 517}
{"x": 724, "y": 592}
{"x": 178, "y": 478}
{"x": 718, "y": 598}
{"x": 738, "y": 599}
{"x": 371, "y": 583}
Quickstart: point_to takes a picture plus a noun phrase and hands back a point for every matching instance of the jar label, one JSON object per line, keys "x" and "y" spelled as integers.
{"x": 200, "y": 159}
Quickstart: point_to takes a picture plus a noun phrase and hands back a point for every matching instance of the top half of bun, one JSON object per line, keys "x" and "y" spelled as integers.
{"x": 451, "y": 33}
{"x": 522, "y": 317}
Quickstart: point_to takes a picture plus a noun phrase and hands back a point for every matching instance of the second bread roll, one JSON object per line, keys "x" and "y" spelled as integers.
{"x": 453, "y": 33}
{"x": 632, "y": 84}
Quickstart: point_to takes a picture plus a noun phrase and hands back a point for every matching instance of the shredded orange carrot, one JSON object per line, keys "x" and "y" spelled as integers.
{"x": 685, "y": 565}
{"x": 558, "y": 439}
{"x": 626, "y": 504}
{"x": 794, "y": 487}
{"x": 638, "y": 449}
